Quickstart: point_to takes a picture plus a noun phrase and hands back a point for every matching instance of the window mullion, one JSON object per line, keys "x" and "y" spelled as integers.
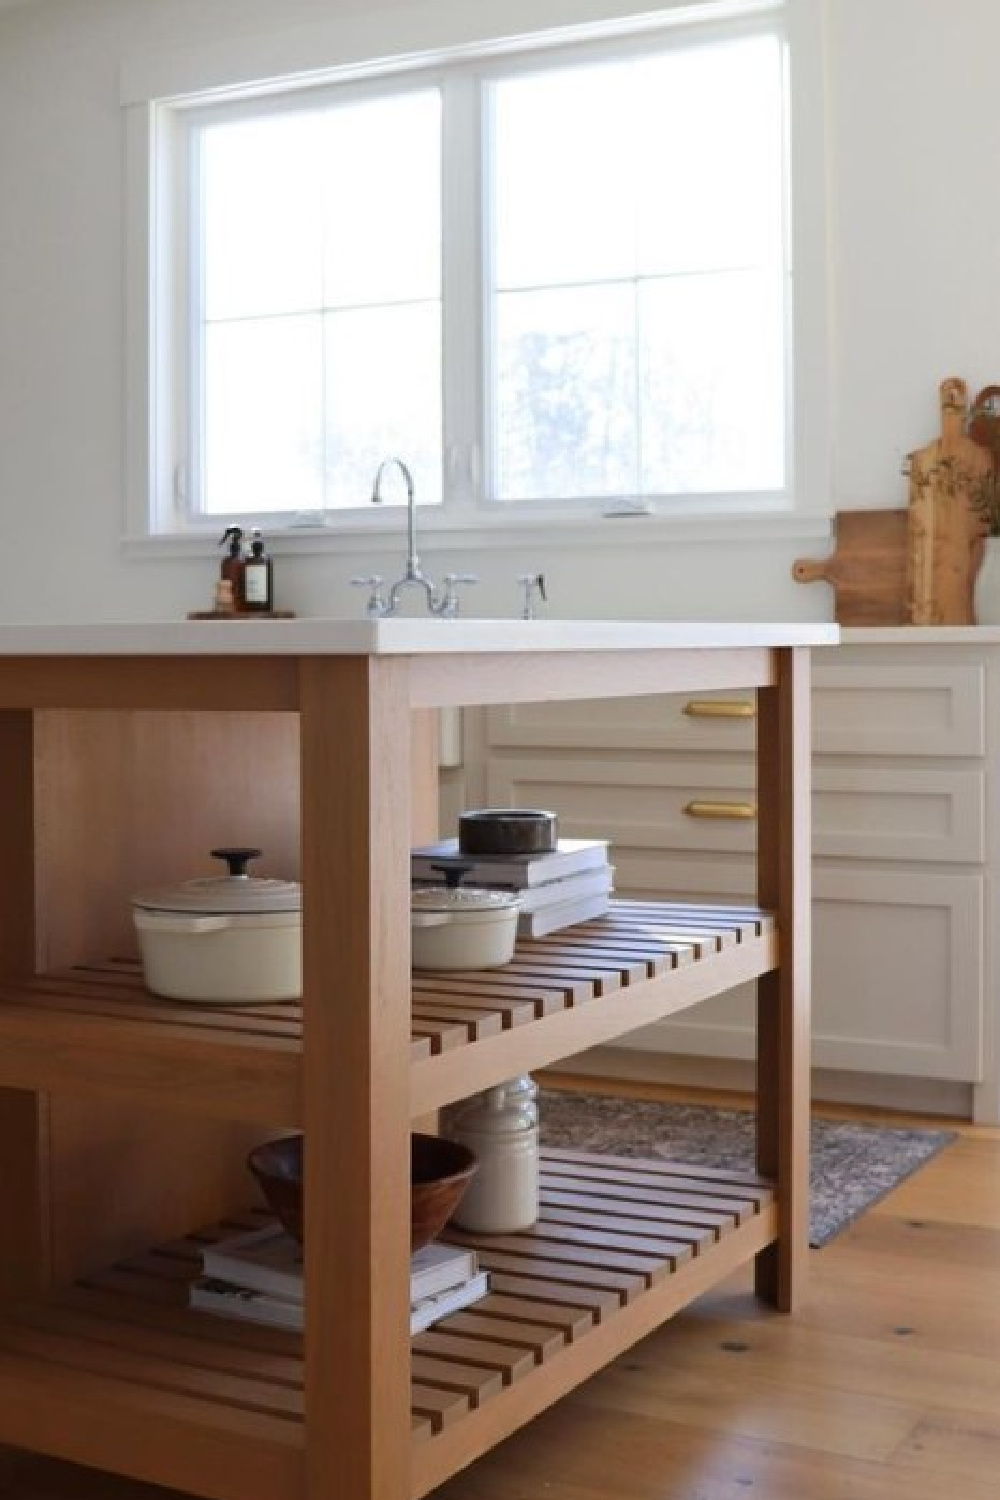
{"x": 462, "y": 240}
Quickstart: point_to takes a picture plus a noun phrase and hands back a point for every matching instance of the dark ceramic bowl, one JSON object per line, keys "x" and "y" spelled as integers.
{"x": 507, "y": 830}
{"x": 440, "y": 1172}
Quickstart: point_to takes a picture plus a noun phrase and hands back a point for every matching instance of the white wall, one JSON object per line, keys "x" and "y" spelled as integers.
{"x": 914, "y": 136}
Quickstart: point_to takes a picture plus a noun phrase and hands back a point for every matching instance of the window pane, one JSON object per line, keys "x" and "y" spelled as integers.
{"x": 335, "y": 214}
{"x": 382, "y": 188}
{"x": 566, "y": 393}
{"x": 655, "y": 186}
{"x": 565, "y": 201}
{"x": 263, "y": 405}
{"x": 712, "y": 415}
{"x": 709, "y": 157}
{"x": 262, "y": 216}
{"x": 383, "y": 392}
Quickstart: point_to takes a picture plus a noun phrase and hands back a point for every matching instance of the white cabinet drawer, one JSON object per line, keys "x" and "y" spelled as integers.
{"x": 676, "y": 804}
{"x": 899, "y": 709}
{"x": 904, "y": 813}
{"x": 686, "y": 721}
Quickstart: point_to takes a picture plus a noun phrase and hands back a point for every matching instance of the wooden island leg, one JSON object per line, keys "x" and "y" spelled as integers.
{"x": 356, "y": 784}
{"x": 25, "y": 1249}
{"x": 783, "y": 995}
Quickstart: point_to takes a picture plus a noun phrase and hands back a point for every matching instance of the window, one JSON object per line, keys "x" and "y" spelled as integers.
{"x": 557, "y": 282}
{"x": 637, "y": 289}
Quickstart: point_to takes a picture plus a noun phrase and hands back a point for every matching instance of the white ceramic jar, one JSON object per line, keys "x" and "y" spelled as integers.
{"x": 222, "y": 940}
{"x": 462, "y": 927}
{"x": 501, "y": 1127}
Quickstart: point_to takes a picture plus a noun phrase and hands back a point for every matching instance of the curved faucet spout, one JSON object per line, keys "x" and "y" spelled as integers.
{"x": 412, "y": 560}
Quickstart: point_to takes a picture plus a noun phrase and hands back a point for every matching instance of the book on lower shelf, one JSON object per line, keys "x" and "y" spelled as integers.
{"x": 212, "y": 1294}
{"x": 268, "y": 1260}
{"x": 517, "y": 870}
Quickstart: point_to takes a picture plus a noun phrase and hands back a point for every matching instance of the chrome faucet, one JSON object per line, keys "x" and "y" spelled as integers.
{"x": 443, "y": 601}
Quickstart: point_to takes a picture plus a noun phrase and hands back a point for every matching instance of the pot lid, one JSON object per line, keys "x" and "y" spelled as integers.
{"x": 236, "y": 892}
{"x": 461, "y": 898}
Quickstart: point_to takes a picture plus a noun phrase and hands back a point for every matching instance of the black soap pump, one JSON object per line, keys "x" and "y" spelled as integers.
{"x": 233, "y": 564}
{"x": 258, "y": 576}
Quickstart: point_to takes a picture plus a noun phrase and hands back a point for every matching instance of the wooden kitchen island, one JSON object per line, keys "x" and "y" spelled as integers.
{"x": 126, "y": 754}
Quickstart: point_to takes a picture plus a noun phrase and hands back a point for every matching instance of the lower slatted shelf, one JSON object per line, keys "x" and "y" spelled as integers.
{"x": 117, "y": 1372}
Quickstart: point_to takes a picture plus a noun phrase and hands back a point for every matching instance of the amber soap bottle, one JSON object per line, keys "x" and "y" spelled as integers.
{"x": 258, "y": 577}
{"x": 233, "y": 563}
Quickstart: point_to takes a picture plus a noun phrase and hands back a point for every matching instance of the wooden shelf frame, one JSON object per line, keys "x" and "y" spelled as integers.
{"x": 620, "y": 1245}
{"x": 358, "y": 723}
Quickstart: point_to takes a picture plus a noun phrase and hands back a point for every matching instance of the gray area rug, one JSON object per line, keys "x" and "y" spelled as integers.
{"x": 852, "y": 1166}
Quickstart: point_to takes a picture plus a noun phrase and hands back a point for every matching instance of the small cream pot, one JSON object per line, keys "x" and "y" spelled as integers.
{"x": 222, "y": 940}
{"x": 456, "y": 927}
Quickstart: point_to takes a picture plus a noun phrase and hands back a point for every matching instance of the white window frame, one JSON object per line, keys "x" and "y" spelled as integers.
{"x": 158, "y": 93}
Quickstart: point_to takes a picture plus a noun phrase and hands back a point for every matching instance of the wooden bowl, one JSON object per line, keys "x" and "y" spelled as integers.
{"x": 440, "y": 1172}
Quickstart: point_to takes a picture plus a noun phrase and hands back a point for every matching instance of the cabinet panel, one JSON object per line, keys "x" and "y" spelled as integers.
{"x": 900, "y": 813}
{"x": 898, "y": 972}
{"x": 897, "y": 980}
{"x": 673, "y": 804}
{"x": 685, "y": 721}
{"x": 899, "y": 709}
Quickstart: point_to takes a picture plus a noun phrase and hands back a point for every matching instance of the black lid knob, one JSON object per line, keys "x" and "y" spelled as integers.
{"x": 237, "y": 859}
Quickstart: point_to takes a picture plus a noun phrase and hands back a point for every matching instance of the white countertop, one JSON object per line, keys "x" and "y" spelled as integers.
{"x": 393, "y": 637}
{"x": 919, "y": 635}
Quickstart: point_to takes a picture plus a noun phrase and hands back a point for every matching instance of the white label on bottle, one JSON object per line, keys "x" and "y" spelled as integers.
{"x": 255, "y": 583}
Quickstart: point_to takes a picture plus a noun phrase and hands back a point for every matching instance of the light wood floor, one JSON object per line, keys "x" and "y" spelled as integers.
{"x": 885, "y": 1387}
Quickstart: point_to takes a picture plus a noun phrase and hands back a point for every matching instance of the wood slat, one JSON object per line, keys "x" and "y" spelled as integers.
{"x": 618, "y": 1211}
{"x": 511, "y": 1361}
{"x": 475, "y": 1382}
{"x": 570, "y": 1321}
{"x": 439, "y": 1406}
{"x": 612, "y": 1197}
{"x": 601, "y": 1280}
{"x": 596, "y": 1302}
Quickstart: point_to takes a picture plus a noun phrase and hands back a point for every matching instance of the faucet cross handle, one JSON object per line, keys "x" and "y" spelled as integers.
{"x": 531, "y": 583}
{"x": 377, "y": 604}
{"x": 448, "y": 606}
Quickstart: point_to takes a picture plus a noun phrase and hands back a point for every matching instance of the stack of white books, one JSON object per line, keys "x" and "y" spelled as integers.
{"x": 571, "y": 884}
{"x": 257, "y": 1275}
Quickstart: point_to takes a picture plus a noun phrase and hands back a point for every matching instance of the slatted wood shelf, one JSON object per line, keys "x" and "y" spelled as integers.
{"x": 216, "y": 1405}
{"x": 98, "y": 1030}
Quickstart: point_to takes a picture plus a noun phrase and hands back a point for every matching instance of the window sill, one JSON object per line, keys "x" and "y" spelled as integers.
{"x": 353, "y": 538}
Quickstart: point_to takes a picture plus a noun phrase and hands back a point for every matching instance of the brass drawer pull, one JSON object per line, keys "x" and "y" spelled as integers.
{"x": 742, "y": 810}
{"x": 720, "y": 708}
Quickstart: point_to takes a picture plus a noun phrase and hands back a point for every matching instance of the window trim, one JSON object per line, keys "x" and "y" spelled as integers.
{"x": 152, "y": 130}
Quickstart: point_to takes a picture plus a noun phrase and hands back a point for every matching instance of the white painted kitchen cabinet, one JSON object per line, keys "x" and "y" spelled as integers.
{"x": 905, "y": 745}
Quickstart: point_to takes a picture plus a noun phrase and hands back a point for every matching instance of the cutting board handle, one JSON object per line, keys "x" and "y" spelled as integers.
{"x": 810, "y": 569}
{"x": 954, "y": 410}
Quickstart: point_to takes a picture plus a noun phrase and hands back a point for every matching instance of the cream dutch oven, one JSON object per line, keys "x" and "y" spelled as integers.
{"x": 462, "y": 927}
{"x": 225, "y": 939}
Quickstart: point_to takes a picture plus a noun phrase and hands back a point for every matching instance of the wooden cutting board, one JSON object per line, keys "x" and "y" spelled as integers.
{"x": 945, "y": 529}
{"x": 867, "y": 569}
